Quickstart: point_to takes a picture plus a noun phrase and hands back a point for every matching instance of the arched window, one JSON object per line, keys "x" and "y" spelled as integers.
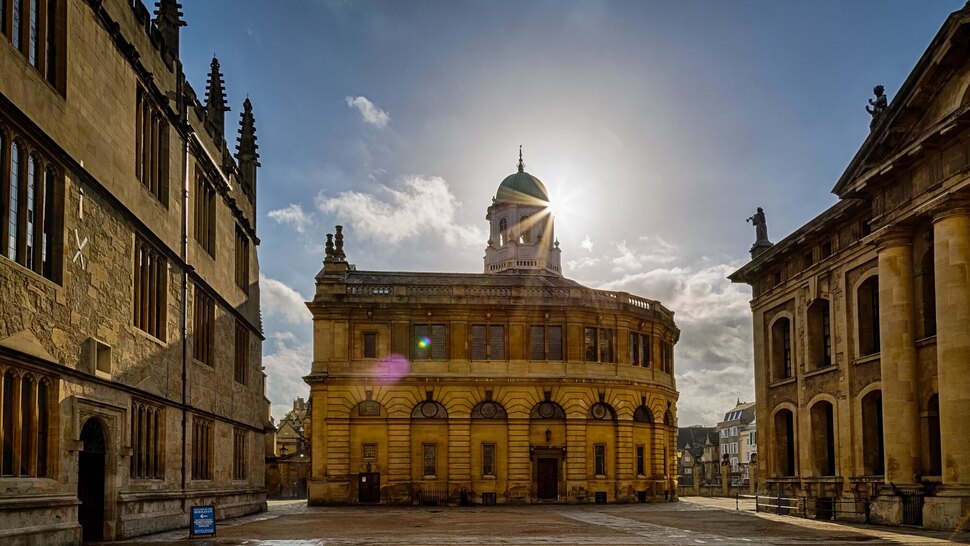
{"x": 868, "y": 316}
{"x": 489, "y": 409}
{"x": 602, "y": 411}
{"x": 872, "y": 446}
{"x": 526, "y": 231}
{"x": 928, "y": 292}
{"x": 547, "y": 409}
{"x": 819, "y": 335}
{"x": 784, "y": 443}
{"x": 48, "y": 216}
{"x": 934, "y": 464}
{"x": 781, "y": 349}
{"x": 43, "y": 424}
{"x": 823, "y": 438}
{"x": 26, "y": 424}
{"x": 642, "y": 415}
{"x": 429, "y": 409}
{"x": 13, "y": 195}
{"x": 33, "y": 186}
{"x": 7, "y": 430}
{"x": 503, "y": 228}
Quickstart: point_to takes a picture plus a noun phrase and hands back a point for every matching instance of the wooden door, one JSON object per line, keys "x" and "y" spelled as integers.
{"x": 547, "y": 476}
{"x": 369, "y": 487}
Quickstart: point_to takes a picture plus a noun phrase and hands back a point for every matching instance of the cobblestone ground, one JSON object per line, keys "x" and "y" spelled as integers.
{"x": 691, "y": 521}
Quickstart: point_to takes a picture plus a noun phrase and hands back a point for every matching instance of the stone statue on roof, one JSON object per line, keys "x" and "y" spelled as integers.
{"x": 761, "y": 242}
{"x": 879, "y": 105}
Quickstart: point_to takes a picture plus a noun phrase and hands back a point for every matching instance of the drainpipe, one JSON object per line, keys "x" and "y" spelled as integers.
{"x": 184, "y": 252}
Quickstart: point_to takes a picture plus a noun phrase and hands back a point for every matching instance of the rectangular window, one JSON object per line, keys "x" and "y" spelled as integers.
{"x": 666, "y": 357}
{"x": 645, "y": 346}
{"x": 640, "y": 461}
{"x": 238, "y": 454}
{"x": 151, "y": 146}
{"x": 634, "y": 348}
{"x": 147, "y": 440}
{"x": 201, "y": 449}
{"x": 204, "y": 330}
{"x": 205, "y": 215}
{"x": 786, "y": 352}
{"x": 429, "y": 342}
{"x": 598, "y": 344}
{"x": 487, "y": 342}
{"x": 370, "y": 344}
{"x": 33, "y": 31}
{"x": 241, "y": 368}
{"x": 369, "y": 452}
{"x": 430, "y": 459}
{"x": 590, "y": 344}
{"x": 599, "y": 457}
{"x": 545, "y": 343}
{"x": 242, "y": 259}
{"x": 151, "y": 288}
{"x": 488, "y": 459}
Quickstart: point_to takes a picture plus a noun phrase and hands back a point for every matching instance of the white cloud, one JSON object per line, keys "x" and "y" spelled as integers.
{"x": 287, "y": 360}
{"x": 587, "y": 244}
{"x": 280, "y": 301}
{"x": 292, "y": 215}
{"x": 369, "y": 111}
{"x": 422, "y": 205}
{"x": 627, "y": 260}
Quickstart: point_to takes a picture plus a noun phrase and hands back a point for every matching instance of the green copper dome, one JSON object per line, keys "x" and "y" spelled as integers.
{"x": 521, "y": 187}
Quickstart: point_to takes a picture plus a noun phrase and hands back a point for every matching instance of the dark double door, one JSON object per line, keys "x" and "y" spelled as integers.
{"x": 369, "y": 487}
{"x": 547, "y": 478}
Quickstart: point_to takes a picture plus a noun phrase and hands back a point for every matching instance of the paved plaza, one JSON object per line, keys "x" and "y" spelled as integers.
{"x": 690, "y": 521}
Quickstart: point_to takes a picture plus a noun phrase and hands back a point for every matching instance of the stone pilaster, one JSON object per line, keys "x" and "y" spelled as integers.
{"x": 898, "y": 358}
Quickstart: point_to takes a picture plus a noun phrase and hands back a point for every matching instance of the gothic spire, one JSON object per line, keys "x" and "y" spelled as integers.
{"x": 521, "y": 164}
{"x": 215, "y": 97}
{"x": 247, "y": 154}
{"x": 168, "y": 19}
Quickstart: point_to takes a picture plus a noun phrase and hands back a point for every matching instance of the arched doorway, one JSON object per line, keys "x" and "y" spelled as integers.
{"x": 90, "y": 481}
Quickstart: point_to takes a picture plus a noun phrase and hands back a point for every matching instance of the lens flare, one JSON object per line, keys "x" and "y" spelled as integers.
{"x": 424, "y": 343}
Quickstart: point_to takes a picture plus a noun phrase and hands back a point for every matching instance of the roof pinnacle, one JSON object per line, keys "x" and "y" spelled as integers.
{"x": 521, "y": 164}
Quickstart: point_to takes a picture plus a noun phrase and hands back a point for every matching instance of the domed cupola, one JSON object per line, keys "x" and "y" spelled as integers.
{"x": 522, "y": 238}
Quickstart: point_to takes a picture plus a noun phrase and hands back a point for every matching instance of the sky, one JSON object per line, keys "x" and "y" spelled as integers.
{"x": 657, "y": 127}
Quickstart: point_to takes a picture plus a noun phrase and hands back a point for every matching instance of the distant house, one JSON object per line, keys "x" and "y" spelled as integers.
{"x": 738, "y": 425}
{"x": 698, "y": 446}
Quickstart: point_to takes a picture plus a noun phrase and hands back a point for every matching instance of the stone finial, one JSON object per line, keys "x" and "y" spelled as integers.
{"x": 338, "y": 252}
{"x": 215, "y": 97}
{"x": 168, "y": 19}
{"x": 329, "y": 251}
{"x": 879, "y": 105}
{"x": 521, "y": 164}
{"x": 247, "y": 154}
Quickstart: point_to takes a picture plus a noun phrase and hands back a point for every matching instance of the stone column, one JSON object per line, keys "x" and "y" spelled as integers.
{"x": 697, "y": 478}
{"x": 951, "y": 250}
{"x": 725, "y": 476}
{"x": 898, "y": 358}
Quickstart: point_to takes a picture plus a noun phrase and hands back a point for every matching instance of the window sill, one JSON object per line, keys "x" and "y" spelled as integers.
{"x": 488, "y": 477}
{"x": 429, "y": 477}
{"x": 149, "y": 337}
{"x": 17, "y": 266}
{"x": 786, "y": 381}
{"x": 601, "y": 476}
{"x": 821, "y": 371}
{"x": 206, "y": 366}
{"x": 866, "y": 359}
{"x": 928, "y": 340}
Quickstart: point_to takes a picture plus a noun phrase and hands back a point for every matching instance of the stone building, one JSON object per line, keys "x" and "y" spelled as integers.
{"x": 748, "y": 450}
{"x": 130, "y": 336}
{"x": 862, "y": 316}
{"x": 729, "y": 432}
{"x": 291, "y": 432}
{"x": 515, "y": 385}
{"x": 699, "y": 455}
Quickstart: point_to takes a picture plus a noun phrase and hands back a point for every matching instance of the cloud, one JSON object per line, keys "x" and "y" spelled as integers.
{"x": 282, "y": 302}
{"x": 369, "y": 111}
{"x": 627, "y": 260}
{"x": 587, "y": 244}
{"x": 292, "y": 215}
{"x": 421, "y": 205}
{"x": 286, "y": 361}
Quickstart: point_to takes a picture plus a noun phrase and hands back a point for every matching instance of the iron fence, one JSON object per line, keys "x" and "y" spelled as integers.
{"x": 821, "y": 508}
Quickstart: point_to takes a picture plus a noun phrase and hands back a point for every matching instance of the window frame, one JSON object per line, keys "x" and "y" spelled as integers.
{"x": 429, "y": 460}
{"x": 489, "y": 458}
{"x": 432, "y": 351}
{"x": 599, "y": 460}
{"x": 488, "y": 343}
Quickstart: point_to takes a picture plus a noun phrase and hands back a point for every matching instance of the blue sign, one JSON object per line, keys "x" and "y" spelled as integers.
{"x": 203, "y": 521}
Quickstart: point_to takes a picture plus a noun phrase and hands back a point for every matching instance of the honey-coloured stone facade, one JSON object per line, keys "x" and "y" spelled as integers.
{"x": 99, "y": 390}
{"x": 511, "y": 386}
{"x": 861, "y": 328}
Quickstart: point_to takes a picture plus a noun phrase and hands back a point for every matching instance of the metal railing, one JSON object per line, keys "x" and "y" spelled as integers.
{"x": 820, "y": 508}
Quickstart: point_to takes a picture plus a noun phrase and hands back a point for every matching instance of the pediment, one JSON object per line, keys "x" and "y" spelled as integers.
{"x": 934, "y": 97}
